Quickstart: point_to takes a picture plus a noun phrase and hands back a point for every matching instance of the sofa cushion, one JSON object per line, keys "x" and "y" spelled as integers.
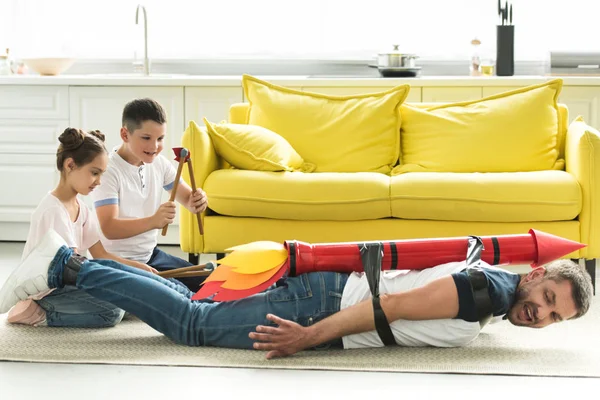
{"x": 493, "y": 197}
{"x": 355, "y": 133}
{"x": 254, "y": 147}
{"x": 299, "y": 196}
{"x": 508, "y": 132}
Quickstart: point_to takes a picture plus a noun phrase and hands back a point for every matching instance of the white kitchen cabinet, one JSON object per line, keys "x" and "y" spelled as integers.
{"x": 102, "y": 107}
{"x": 210, "y": 102}
{"x": 36, "y": 102}
{"x": 450, "y": 94}
{"x": 31, "y": 119}
{"x": 584, "y": 101}
{"x": 413, "y": 96}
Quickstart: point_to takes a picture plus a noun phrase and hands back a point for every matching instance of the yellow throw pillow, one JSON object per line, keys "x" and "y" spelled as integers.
{"x": 513, "y": 131}
{"x": 356, "y": 133}
{"x": 254, "y": 148}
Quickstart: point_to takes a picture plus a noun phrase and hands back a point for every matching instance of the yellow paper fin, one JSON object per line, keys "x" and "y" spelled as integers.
{"x": 259, "y": 245}
{"x": 254, "y": 261}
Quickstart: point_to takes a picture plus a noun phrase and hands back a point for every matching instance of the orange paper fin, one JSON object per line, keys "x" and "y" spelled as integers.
{"x": 207, "y": 289}
{"x": 221, "y": 274}
{"x": 230, "y": 295}
{"x": 246, "y": 281}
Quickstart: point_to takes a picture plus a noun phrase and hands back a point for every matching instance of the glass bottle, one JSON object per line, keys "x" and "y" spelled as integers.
{"x": 475, "y": 65}
{"x": 5, "y": 67}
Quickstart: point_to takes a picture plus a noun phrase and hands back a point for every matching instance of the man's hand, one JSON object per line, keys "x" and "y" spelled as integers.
{"x": 197, "y": 201}
{"x": 286, "y": 339}
{"x": 164, "y": 215}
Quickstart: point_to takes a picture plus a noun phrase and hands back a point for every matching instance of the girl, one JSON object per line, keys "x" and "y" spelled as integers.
{"x": 81, "y": 159}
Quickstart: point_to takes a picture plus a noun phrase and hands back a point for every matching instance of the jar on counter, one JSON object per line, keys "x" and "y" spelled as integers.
{"x": 475, "y": 67}
{"x": 5, "y": 67}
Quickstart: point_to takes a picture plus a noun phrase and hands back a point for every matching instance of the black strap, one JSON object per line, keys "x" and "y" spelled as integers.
{"x": 394, "y": 252}
{"x": 478, "y": 281}
{"x": 372, "y": 255}
{"x": 292, "y": 252}
{"x": 496, "y": 250}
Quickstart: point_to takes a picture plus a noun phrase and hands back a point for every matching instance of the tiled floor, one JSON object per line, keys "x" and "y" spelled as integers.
{"x": 88, "y": 382}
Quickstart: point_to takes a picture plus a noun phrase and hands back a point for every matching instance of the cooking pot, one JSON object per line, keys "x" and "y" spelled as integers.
{"x": 396, "y": 59}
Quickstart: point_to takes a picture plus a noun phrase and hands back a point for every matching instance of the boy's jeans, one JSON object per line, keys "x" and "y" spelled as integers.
{"x": 167, "y": 307}
{"x": 162, "y": 261}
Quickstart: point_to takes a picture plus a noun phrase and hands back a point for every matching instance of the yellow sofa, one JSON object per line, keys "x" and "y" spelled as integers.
{"x": 405, "y": 203}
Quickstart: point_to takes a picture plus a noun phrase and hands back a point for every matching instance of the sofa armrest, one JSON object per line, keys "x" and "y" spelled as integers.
{"x": 238, "y": 113}
{"x": 205, "y": 160}
{"x": 582, "y": 157}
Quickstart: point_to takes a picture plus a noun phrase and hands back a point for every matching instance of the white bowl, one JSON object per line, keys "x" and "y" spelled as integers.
{"x": 49, "y": 66}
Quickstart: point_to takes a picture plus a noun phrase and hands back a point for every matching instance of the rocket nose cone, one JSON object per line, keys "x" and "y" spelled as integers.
{"x": 551, "y": 247}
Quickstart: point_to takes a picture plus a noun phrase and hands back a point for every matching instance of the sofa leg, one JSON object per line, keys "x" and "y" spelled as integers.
{"x": 590, "y": 267}
{"x": 220, "y": 255}
{"x": 193, "y": 258}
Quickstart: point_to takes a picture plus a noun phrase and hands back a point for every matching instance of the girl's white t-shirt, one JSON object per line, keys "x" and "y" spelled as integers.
{"x": 52, "y": 214}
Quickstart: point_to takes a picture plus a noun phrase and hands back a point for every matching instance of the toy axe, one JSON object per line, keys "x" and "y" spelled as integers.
{"x": 183, "y": 155}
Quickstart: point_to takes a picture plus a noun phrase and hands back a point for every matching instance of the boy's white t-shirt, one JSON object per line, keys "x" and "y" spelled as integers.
{"x": 52, "y": 214}
{"x": 137, "y": 190}
{"x": 437, "y": 333}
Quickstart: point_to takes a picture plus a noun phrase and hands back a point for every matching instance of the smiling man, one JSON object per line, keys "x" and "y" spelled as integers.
{"x": 443, "y": 306}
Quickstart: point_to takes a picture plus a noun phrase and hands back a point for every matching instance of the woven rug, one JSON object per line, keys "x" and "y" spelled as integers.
{"x": 567, "y": 349}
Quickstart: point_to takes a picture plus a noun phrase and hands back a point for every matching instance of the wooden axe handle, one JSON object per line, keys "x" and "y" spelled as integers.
{"x": 177, "y": 271}
{"x": 174, "y": 190}
{"x": 193, "y": 182}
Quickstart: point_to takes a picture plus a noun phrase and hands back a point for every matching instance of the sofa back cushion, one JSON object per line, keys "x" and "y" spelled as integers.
{"x": 336, "y": 133}
{"x": 519, "y": 130}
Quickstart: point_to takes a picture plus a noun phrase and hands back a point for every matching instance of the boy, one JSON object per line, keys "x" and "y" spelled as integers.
{"x": 128, "y": 203}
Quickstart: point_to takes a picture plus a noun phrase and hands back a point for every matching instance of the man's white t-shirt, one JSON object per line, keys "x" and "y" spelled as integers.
{"x": 52, "y": 214}
{"x": 137, "y": 190}
{"x": 437, "y": 333}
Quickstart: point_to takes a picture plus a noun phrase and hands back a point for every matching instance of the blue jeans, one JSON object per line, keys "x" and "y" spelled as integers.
{"x": 167, "y": 307}
{"x": 71, "y": 307}
{"x": 162, "y": 261}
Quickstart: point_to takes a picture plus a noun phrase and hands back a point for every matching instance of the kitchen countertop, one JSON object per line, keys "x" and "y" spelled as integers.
{"x": 295, "y": 80}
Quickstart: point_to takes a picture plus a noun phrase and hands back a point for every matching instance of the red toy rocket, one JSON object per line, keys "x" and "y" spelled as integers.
{"x": 253, "y": 267}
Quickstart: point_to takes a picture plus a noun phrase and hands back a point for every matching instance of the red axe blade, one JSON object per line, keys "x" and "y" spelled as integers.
{"x": 177, "y": 151}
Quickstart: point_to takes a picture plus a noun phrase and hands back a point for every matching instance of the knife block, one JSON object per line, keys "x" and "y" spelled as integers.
{"x": 505, "y": 50}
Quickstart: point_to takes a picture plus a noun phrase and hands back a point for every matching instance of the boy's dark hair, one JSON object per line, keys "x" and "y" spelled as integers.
{"x": 139, "y": 110}
{"x": 82, "y": 147}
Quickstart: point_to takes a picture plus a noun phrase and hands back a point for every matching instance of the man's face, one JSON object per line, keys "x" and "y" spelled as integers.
{"x": 146, "y": 142}
{"x": 541, "y": 302}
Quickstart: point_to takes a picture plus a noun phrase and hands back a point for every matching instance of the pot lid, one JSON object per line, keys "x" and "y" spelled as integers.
{"x": 396, "y": 52}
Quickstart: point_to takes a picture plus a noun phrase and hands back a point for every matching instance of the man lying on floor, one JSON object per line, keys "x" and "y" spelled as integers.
{"x": 432, "y": 307}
